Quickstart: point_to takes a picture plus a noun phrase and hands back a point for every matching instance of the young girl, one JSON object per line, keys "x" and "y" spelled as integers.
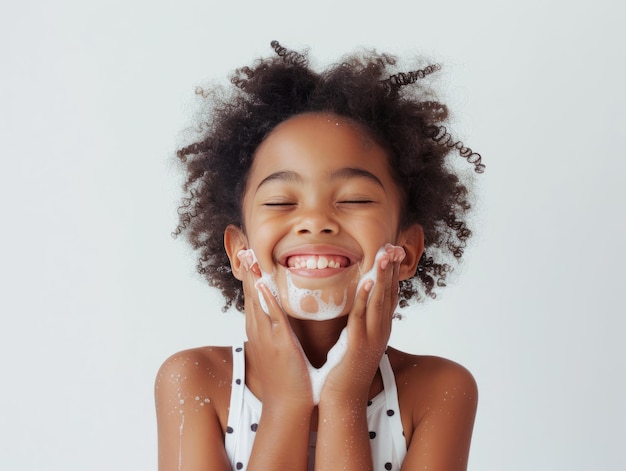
{"x": 319, "y": 203}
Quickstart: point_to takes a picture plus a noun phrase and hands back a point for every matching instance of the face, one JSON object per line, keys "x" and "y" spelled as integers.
{"x": 319, "y": 203}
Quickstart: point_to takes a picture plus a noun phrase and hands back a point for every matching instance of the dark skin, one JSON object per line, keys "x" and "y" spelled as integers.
{"x": 319, "y": 206}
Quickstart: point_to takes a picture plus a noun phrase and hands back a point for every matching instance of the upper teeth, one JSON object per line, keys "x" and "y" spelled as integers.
{"x": 312, "y": 262}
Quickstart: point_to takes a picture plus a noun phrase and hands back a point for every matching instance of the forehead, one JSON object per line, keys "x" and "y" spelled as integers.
{"x": 318, "y": 142}
{"x": 314, "y": 123}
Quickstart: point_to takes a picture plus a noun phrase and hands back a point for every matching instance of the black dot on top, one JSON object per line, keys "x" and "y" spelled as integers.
{"x": 369, "y": 403}
{"x": 229, "y": 429}
{"x": 238, "y": 381}
{"x": 239, "y": 465}
{"x": 238, "y": 349}
{"x": 372, "y": 435}
{"x": 390, "y": 412}
{"x": 253, "y": 427}
{"x": 388, "y": 466}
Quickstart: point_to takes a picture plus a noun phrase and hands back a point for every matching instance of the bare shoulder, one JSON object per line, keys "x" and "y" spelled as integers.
{"x": 430, "y": 373}
{"x": 192, "y": 392}
{"x": 429, "y": 386}
{"x": 196, "y": 379}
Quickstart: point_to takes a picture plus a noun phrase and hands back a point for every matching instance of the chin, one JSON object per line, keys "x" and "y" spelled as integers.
{"x": 317, "y": 298}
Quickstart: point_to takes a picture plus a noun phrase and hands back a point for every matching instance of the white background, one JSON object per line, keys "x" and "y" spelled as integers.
{"x": 96, "y": 294}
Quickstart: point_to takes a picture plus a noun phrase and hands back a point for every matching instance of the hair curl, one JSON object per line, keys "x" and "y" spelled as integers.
{"x": 406, "y": 120}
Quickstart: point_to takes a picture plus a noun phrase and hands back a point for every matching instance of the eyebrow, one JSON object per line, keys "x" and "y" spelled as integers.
{"x": 343, "y": 173}
{"x": 352, "y": 172}
{"x": 283, "y": 176}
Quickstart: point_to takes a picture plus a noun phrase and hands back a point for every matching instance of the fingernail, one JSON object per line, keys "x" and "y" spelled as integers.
{"x": 246, "y": 259}
{"x": 367, "y": 286}
{"x": 400, "y": 254}
{"x": 384, "y": 262}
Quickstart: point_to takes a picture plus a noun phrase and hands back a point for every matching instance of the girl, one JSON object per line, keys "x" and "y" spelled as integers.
{"x": 319, "y": 203}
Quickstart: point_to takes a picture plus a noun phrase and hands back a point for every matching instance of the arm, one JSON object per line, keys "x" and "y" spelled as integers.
{"x": 443, "y": 422}
{"x": 189, "y": 432}
{"x": 343, "y": 434}
{"x": 282, "y": 438}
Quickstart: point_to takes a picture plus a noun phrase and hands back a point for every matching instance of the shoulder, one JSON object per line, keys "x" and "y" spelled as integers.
{"x": 196, "y": 362}
{"x": 195, "y": 378}
{"x": 204, "y": 365}
{"x": 430, "y": 373}
{"x": 430, "y": 384}
{"x": 192, "y": 394}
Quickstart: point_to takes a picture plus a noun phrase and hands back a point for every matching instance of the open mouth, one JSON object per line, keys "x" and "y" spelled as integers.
{"x": 317, "y": 262}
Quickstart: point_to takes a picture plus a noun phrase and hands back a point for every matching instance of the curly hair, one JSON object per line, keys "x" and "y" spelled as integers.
{"x": 406, "y": 120}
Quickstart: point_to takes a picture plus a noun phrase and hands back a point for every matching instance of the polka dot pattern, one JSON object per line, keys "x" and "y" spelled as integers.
{"x": 383, "y": 417}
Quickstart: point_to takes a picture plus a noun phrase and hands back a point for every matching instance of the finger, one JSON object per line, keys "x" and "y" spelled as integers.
{"x": 275, "y": 312}
{"x": 379, "y": 299}
{"x": 397, "y": 255}
{"x": 357, "y": 316}
{"x": 256, "y": 319}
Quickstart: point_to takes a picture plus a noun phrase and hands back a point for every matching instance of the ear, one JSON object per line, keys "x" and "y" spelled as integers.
{"x": 234, "y": 241}
{"x": 411, "y": 240}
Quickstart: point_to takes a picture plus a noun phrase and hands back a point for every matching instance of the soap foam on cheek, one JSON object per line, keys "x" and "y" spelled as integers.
{"x": 372, "y": 274}
{"x": 248, "y": 260}
{"x": 395, "y": 253}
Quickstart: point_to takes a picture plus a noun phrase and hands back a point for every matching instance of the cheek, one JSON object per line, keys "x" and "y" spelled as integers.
{"x": 263, "y": 238}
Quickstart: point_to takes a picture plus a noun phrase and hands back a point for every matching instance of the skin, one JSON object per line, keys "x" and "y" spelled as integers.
{"x": 318, "y": 184}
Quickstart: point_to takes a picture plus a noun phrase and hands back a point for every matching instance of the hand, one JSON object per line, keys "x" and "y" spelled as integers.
{"x": 278, "y": 357}
{"x": 369, "y": 328}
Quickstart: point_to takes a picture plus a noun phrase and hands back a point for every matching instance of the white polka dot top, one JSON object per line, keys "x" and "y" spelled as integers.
{"x": 383, "y": 418}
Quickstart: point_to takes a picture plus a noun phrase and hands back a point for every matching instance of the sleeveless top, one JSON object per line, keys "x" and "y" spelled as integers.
{"x": 387, "y": 440}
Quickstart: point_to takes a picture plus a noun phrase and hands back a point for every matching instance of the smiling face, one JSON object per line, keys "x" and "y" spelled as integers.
{"x": 319, "y": 203}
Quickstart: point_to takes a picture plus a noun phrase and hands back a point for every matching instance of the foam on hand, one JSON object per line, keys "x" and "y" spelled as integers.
{"x": 249, "y": 261}
{"x": 396, "y": 254}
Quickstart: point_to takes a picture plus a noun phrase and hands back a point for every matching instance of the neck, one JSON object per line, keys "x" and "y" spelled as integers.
{"x": 318, "y": 337}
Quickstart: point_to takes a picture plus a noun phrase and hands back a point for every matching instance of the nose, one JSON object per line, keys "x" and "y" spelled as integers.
{"x": 317, "y": 221}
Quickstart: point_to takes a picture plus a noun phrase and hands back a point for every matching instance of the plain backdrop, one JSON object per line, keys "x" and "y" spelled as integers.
{"x": 95, "y": 293}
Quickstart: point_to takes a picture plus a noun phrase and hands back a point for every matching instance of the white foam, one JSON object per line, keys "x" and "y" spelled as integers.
{"x": 318, "y": 375}
{"x": 325, "y": 310}
{"x": 372, "y": 274}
